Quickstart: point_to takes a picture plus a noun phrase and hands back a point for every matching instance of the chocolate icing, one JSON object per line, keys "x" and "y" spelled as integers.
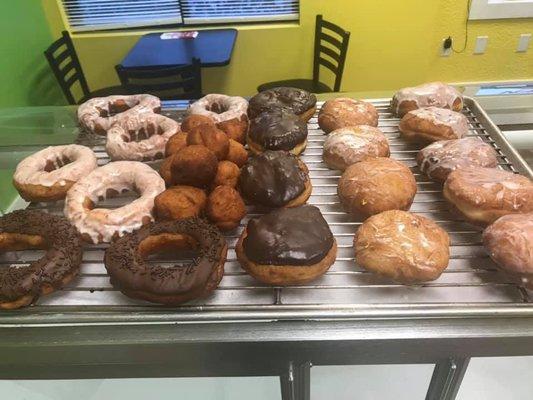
{"x": 272, "y": 178}
{"x": 293, "y": 100}
{"x": 278, "y": 130}
{"x": 288, "y": 236}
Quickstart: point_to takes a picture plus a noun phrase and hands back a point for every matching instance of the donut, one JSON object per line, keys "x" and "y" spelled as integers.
{"x": 212, "y": 138}
{"x": 237, "y": 154}
{"x": 48, "y": 174}
{"x": 432, "y": 123}
{"x": 375, "y": 185}
{"x": 345, "y": 112}
{"x": 482, "y": 195}
{"x": 402, "y": 246}
{"x": 165, "y": 172}
{"x": 435, "y": 94}
{"x": 277, "y": 130}
{"x": 288, "y": 246}
{"x": 133, "y": 276}
{"x": 296, "y": 101}
{"x": 275, "y": 179}
{"x": 179, "y": 202}
{"x": 194, "y": 165}
{"x": 225, "y": 208}
{"x": 227, "y": 174}
{"x": 509, "y": 242}
{"x": 176, "y": 143}
{"x": 140, "y": 137}
{"x": 31, "y": 229}
{"x": 98, "y": 225}
{"x": 195, "y": 120}
{"x": 347, "y": 146}
{"x": 98, "y": 114}
{"x": 440, "y": 158}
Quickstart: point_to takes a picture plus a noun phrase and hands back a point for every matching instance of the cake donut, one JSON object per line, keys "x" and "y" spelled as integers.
{"x": 97, "y": 115}
{"x": 133, "y": 276}
{"x": 140, "y": 137}
{"x": 440, "y": 158}
{"x": 296, "y": 101}
{"x": 48, "y": 174}
{"x": 436, "y": 94}
{"x": 104, "y": 225}
{"x": 509, "y": 242}
{"x": 288, "y": 246}
{"x": 275, "y": 179}
{"x": 277, "y": 130}
{"x": 344, "y": 112}
{"x": 31, "y": 229}
{"x": 432, "y": 123}
{"x": 482, "y": 195}
{"x": 402, "y": 246}
{"x": 347, "y": 146}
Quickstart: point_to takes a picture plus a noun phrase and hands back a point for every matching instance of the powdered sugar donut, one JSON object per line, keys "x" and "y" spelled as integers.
{"x": 435, "y": 94}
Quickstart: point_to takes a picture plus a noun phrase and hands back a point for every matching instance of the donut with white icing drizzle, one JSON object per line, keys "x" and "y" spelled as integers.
{"x": 435, "y": 94}
{"x": 103, "y": 225}
{"x": 432, "y": 123}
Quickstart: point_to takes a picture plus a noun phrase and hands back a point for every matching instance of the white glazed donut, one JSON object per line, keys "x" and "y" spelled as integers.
{"x": 435, "y": 94}
{"x": 99, "y": 114}
{"x": 103, "y": 225}
{"x": 430, "y": 124}
{"x": 140, "y": 137}
{"x": 220, "y": 108}
{"x": 48, "y": 174}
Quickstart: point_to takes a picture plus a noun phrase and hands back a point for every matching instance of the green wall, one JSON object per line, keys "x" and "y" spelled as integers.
{"x": 25, "y": 77}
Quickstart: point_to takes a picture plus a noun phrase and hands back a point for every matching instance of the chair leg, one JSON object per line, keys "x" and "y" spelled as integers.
{"x": 296, "y": 382}
{"x": 447, "y": 378}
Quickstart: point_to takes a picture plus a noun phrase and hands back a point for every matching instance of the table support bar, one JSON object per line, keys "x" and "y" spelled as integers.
{"x": 447, "y": 378}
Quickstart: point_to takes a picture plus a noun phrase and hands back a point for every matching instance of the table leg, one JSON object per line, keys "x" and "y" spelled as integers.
{"x": 447, "y": 377}
{"x": 296, "y": 382}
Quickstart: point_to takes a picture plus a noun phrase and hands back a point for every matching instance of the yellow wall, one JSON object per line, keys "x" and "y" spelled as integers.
{"x": 393, "y": 44}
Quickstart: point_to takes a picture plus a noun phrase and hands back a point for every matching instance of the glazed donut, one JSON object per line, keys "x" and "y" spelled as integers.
{"x": 288, "y": 246}
{"x": 48, "y": 174}
{"x": 275, "y": 179}
{"x": 482, "y": 195}
{"x": 402, "y": 246}
{"x": 30, "y": 229}
{"x": 179, "y": 202}
{"x": 133, "y": 276}
{"x": 345, "y": 112}
{"x": 431, "y": 124}
{"x": 140, "y": 137}
{"x": 436, "y": 94}
{"x": 103, "y": 225}
{"x": 440, "y": 158}
{"x": 97, "y": 115}
{"x": 296, "y": 101}
{"x": 225, "y": 208}
{"x": 347, "y": 146}
{"x": 194, "y": 165}
{"x": 277, "y": 130}
{"x": 375, "y": 185}
{"x": 509, "y": 242}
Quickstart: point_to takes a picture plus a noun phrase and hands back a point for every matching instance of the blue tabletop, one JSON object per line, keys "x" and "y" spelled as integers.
{"x": 212, "y": 47}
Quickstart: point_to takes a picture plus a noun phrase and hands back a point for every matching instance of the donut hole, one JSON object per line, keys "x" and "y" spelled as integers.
{"x": 58, "y": 162}
{"x": 169, "y": 247}
{"x": 10, "y": 243}
{"x": 217, "y": 108}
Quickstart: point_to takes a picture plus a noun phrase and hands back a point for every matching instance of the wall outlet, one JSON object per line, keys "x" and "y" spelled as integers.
{"x": 445, "y": 52}
{"x": 523, "y": 42}
{"x": 481, "y": 44}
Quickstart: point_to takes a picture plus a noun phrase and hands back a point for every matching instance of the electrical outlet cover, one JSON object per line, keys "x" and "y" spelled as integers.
{"x": 481, "y": 44}
{"x": 523, "y": 42}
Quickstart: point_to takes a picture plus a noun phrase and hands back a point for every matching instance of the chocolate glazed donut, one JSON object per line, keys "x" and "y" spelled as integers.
{"x": 294, "y": 100}
{"x": 129, "y": 272}
{"x": 26, "y": 229}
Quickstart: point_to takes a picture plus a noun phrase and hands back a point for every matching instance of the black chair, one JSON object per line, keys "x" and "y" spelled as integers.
{"x": 63, "y": 60}
{"x": 174, "y": 83}
{"x": 331, "y": 46}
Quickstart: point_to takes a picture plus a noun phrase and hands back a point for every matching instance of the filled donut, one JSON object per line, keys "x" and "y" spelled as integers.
{"x": 104, "y": 225}
{"x": 296, "y": 101}
{"x": 402, "y": 246}
{"x": 288, "y": 246}
{"x": 432, "y": 123}
{"x": 435, "y": 94}
{"x": 345, "y": 112}
{"x": 125, "y": 261}
{"x": 30, "y": 229}
{"x": 482, "y": 195}
{"x": 48, "y": 174}
{"x": 347, "y": 146}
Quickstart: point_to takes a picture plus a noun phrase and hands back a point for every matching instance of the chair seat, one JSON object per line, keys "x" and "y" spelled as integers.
{"x": 104, "y": 92}
{"x": 305, "y": 84}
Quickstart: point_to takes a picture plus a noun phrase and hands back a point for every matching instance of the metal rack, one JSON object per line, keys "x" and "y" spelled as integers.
{"x": 346, "y": 297}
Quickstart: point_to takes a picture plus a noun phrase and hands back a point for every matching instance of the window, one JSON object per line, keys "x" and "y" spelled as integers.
{"x": 91, "y": 15}
{"x": 501, "y": 9}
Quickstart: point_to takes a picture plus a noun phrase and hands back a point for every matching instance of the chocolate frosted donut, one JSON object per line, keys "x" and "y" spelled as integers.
{"x": 294, "y": 100}
{"x": 129, "y": 272}
{"x": 277, "y": 130}
{"x": 25, "y": 229}
{"x": 275, "y": 179}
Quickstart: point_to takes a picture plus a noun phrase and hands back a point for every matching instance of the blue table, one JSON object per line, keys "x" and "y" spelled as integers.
{"x": 212, "y": 47}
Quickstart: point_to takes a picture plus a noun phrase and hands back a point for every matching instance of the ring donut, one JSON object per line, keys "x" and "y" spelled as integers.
{"x": 48, "y": 174}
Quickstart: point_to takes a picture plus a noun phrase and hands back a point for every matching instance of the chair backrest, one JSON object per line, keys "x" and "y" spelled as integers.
{"x": 331, "y": 46}
{"x": 174, "y": 83}
{"x": 63, "y": 60}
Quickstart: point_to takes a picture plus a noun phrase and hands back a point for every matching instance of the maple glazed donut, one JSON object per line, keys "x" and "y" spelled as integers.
{"x": 97, "y": 115}
{"x": 296, "y": 101}
{"x": 48, "y": 174}
{"x": 344, "y": 112}
{"x": 436, "y": 94}
{"x": 103, "y": 225}
{"x": 432, "y": 123}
